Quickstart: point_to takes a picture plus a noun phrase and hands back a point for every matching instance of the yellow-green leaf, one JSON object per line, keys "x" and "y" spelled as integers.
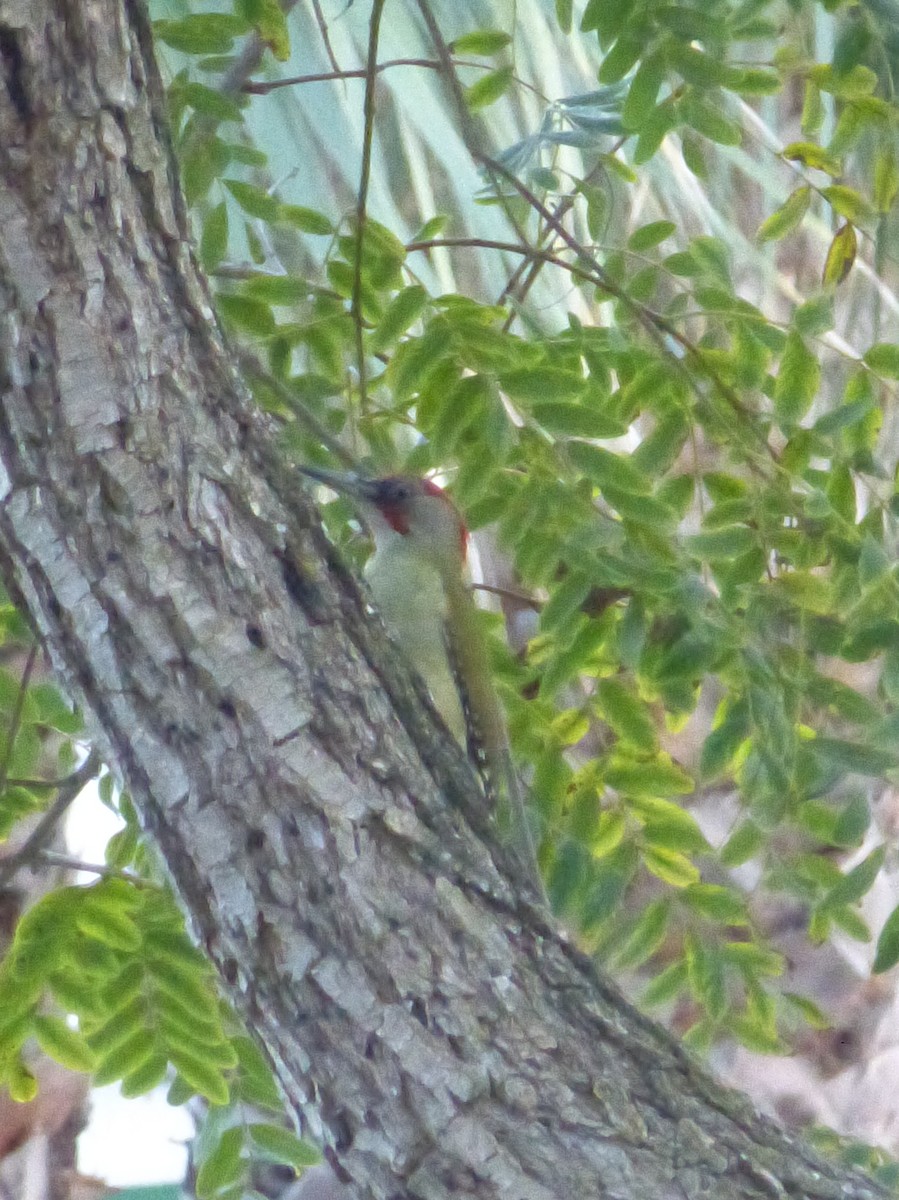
{"x": 205, "y": 1079}
{"x": 786, "y": 218}
{"x": 626, "y": 714}
{"x": 656, "y": 778}
{"x": 797, "y": 381}
{"x": 670, "y": 866}
{"x": 21, "y": 1084}
{"x": 840, "y": 256}
{"x": 63, "y": 1044}
{"x": 284, "y": 1146}
{"x": 884, "y": 359}
{"x": 888, "y": 944}
{"x": 812, "y": 155}
{"x": 645, "y": 937}
{"x": 485, "y": 42}
{"x": 489, "y": 89}
{"x": 886, "y": 181}
{"x": 610, "y": 829}
{"x": 846, "y": 201}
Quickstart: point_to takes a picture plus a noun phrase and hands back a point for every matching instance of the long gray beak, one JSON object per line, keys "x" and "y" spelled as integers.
{"x": 344, "y": 481}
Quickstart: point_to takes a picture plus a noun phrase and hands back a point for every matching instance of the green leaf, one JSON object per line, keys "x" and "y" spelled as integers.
{"x": 270, "y": 23}
{"x": 670, "y": 866}
{"x": 214, "y": 240}
{"x": 668, "y": 825}
{"x": 253, "y": 200}
{"x": 114, "y": 929}
{"x": 754, "y": 81}
{"x": 573, "y": 419}
{"x": 564, "y": 14}
{"x": 650, "y": 235}
{"x": 63, "y": 1044}
{"x": 721, "y": 904}
{"x": 786, "y": 218}
{"x": 840, "y": 257}
{"x": 607, "y": 469}
{"x": 432, "y": 228}
{"x": 847, "y": 202}
{"x": 404, "y": 309}
{"x": 223, "y": 1167}
{"x": 642, "y": 94}
{"x": 797, "y": 381}
{"x": 815, "y": 316}
{"x": 883, "y": 358}
{"x": 665, "y": 986}
{"x": 208, "y": 101}
{"x": 125, "y": 1058}
{"x": 201, "y": 33}
{"x": 888, "y": 944}
{"x": 855, "y": 883}
{"x": 709, "y": 120}
{"x": 247, "y": 313}
{"x": 742, "y": 845}
{"x": 307, "y": 220}
{"x": 201, "y": 166}
{"x": 854, "y": 756}
{"x": 20, "y": 1082}
{"x": 609, "y": 834}
{"x": 206, "y": 1079}
{"x": 485, "y": 42}
{"x": 489, "y": 89}
{"x": 886, "y": 181}
{"x": 808, "y": 1010}
{"x": 722, "y": 544}
{"x": 118, "y": 1027}
{"x": 277, "y": 289}
{"x": 283, "y": 1146}
{"x": 627, "y": 715}
{"x": 618, "y": 62}
{"x": 705, "y": 973}
{"x": 645, "y": 937}
{"x": 854, "y": 84}
{"x": 542, "y": 383}
{"x": 812, "y": 155}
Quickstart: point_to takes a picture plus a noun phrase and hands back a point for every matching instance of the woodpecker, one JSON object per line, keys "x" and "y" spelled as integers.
{"x": 419, "y": 582}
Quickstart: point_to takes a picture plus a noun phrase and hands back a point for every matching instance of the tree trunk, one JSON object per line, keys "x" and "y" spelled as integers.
{"x": 323, "y": 835}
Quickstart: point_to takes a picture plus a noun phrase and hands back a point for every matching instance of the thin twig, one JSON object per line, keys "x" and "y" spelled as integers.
{"x": 371, "y": 72}
{"x": 432, "y": 64}
{"x": 250, "y": 365}
{"x": 531, "y": 252}
{"x": 16, "y": 719}
{"x": 534, "y": 268}
{"x": 323, "y": 31}
{"x": 51, "y": 859}
{"x": 43, "y": 831}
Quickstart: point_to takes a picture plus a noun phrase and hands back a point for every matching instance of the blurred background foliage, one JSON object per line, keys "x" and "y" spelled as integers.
{"x": 623, "y": 277}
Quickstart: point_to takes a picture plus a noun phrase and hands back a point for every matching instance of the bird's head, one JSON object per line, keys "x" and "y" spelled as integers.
{"x": 403, "y": 506}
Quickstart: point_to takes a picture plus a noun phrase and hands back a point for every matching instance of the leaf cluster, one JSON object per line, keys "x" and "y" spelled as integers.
{"x": 695, "y": 490}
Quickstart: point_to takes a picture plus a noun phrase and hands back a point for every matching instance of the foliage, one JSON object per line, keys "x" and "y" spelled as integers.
{"x": 693, "y": 486}
{"x": 689, "y": 461}
{"x": 104, "y": 978}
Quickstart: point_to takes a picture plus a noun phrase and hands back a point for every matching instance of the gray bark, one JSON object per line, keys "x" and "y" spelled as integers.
{"x": 325, "y": 837}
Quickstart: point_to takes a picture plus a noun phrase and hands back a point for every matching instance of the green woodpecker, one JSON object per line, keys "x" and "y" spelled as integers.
{"x": 418, "y": 580}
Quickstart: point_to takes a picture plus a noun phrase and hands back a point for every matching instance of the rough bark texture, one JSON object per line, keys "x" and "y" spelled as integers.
{"x": 423, "y": 1019}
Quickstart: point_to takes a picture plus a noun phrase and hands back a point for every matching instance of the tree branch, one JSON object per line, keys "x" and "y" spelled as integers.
{"x": 34, "y": 844}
